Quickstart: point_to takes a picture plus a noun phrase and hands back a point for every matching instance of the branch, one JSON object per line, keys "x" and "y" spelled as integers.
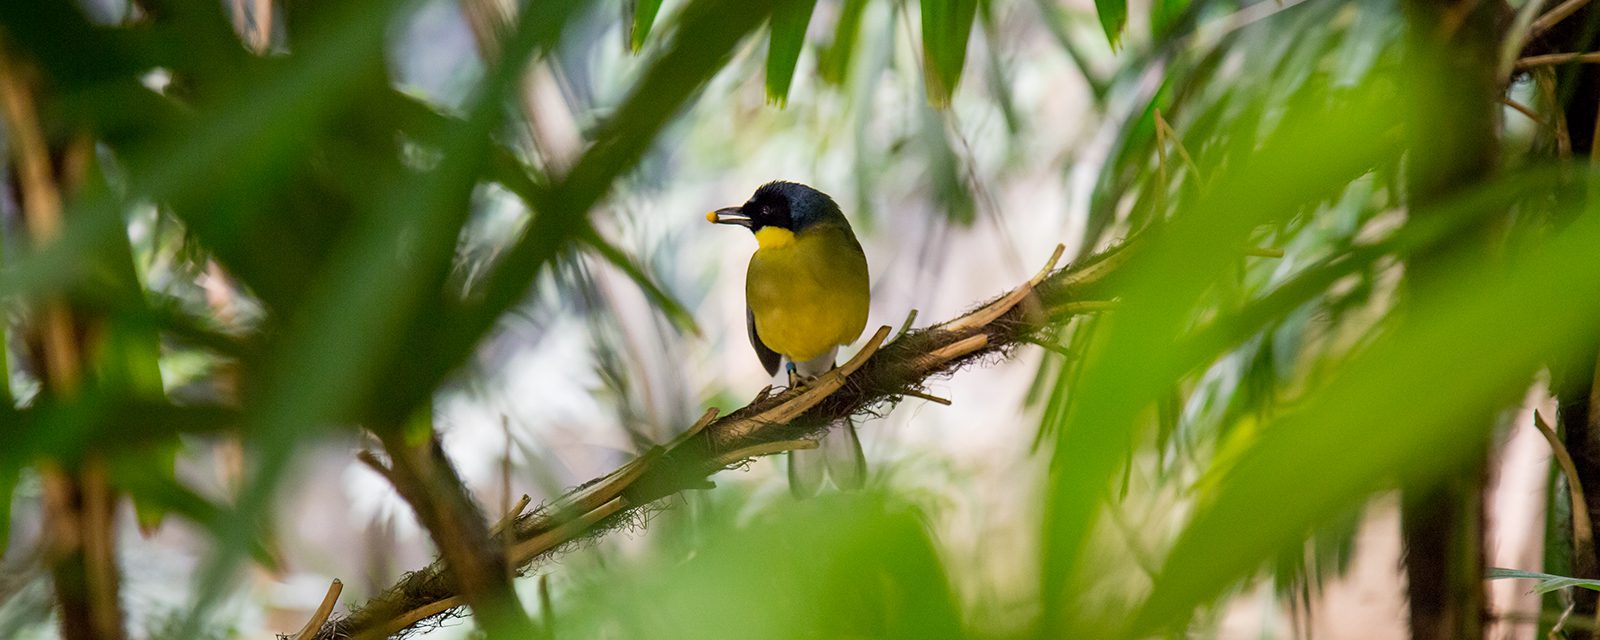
{"x": 476, "y": 566}
{"x": 876, "y": 377}
{"x": 1582, "y": 529}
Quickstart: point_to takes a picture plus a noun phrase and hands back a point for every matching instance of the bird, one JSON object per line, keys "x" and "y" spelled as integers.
{"x": 806, "y": 295}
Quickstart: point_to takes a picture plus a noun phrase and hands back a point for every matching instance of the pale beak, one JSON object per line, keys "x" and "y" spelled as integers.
{"x": 729, "y": 215}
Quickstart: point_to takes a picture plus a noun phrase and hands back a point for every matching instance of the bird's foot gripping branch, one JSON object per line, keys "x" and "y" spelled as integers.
{"x": 881, "y": 372}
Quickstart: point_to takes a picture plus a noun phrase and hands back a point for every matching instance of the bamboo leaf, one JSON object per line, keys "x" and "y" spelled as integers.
{"x": 1113, "y": 17}
{"x": 659, "y": 298}
{"x": 1164, "y": 14}
{"x": 644, "y": 14}
{"x": 833, "y": 61}
{"x": 788, "y": 37}
{"x": 1547, "y": 582}
{"x": 1348, "y": 425}
{"x": 8, "y": 486}
{"x": 946, "y": 27}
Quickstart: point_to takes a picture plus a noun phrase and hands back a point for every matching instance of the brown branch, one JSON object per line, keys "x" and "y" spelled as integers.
{"x": 1548, "y": 59}
{"x": 875, "y": 377}
{"x": 474, "y": 564}
{"x": 320, "y": 616}
{"x": 1549, "y": 19}
{"x": 1582, "y": 529}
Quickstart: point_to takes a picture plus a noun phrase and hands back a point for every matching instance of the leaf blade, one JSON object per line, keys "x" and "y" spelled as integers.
{"x": 787, "y": 38}
{"x": 946, "y": 29}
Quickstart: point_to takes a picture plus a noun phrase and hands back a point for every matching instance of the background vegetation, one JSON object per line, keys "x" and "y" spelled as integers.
{"x": 293, "y": 290}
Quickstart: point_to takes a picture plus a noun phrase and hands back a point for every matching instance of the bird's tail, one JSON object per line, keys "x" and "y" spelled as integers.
{"x": 838, "y": 455}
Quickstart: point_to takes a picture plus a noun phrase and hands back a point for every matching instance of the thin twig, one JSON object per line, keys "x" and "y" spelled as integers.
{"x": 1548, "y": 59}
{"x": 1525, "y": 110}
{"x": 1559, "y": 13}
{"x": 906, "y": 326}
{"x": 548, "y": 540}
{"x": 419, "y": 614}
{"x": 1582, "y": 531}
{"x": 913, "y": 393}
{"x": 1080, "y": 307}
{"x": 1183, "y": 152}
{"x": 1556, "y": 630}
{"x": 510, "y": 515}
{"x": 323, "y": 611}
{"x": 763, "y": 449}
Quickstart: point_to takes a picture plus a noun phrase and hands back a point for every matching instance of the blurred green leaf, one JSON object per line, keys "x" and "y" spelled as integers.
{"x": 1547, "y": 582}
{"x": 833, "y": 61}
{"x": 9, "y": 474}
{"x": 854, "y": 565}
{"x": 644, "y": 15}
{"x": 788, "y": 37}
{"x": 706, "y": 35}
{"x": 659, "y": 298}
{"x": 1113, "y": 18}
{"x": 1172, "y": 268}
{"x": 1164, "y": 14}
{"x": 946, "y": 26}
{"x": 1368, "y": 430}
{"x": 947, "y": 174}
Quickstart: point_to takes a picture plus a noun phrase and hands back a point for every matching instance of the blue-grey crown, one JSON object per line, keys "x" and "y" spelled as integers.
{"x": 807, "y": 206}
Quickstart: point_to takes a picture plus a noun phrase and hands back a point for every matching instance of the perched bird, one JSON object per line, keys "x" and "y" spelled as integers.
{"x": 806, "y": 295}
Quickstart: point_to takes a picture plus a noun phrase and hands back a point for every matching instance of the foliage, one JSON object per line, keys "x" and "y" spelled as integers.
{"x": 1248, "y": 403}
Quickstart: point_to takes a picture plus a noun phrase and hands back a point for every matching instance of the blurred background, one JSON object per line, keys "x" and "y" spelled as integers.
{"x": 1338, "y": 387}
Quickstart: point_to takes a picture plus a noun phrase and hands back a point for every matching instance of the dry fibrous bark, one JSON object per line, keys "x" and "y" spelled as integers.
{"x": 883, "y": 372}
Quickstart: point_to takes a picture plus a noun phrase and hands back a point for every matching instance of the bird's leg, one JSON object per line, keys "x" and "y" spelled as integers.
{"x": 794, "y": 378}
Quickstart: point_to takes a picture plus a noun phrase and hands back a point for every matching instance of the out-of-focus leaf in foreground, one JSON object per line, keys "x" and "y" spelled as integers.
{"x": 1113, "y": 18}
{"x": 1394, "y": 411}
{"x": 789, "y": 24}
{"x": 1322, "y": 143}
{"x": 946, "y": 26}
{"x": 644, "y": 15}
{"x": 855, "y": 565}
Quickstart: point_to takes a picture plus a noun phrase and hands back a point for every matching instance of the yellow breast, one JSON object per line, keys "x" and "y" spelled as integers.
{"x": 808, "y": 292}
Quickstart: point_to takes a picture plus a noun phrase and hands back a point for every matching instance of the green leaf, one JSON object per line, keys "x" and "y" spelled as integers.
{"x": 8, "y": 486}
{"x": 789, "y": 22}
{"x": 1113, "y": 17}
{"x": 669, "y": 306}
{"x": 946, "y": 27}
{"x": 1164, "y": 14}
{"x": 842, "y": 565}
{"x": 707, "y": 33}
{"x": 1168, "y": 274}
{"x": 1457, "y": 334}
{"x": 833, "y": 61}
{"x": 644, "y": 14}
{"x": 1547, "y": 582}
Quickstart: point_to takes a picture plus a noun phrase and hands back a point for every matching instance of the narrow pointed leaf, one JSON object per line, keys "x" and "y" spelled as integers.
{"x": 1113, "y": 17}
{"x": 788, "y": 36}
{"x": 644, "y": 15}
{"x": 833, "y": 61}
{"x": 1547, "y": 582}
{"x": 946, "y": 25}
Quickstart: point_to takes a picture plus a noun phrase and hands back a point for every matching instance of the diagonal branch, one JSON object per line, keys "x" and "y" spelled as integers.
{"x": 877, "y": 376}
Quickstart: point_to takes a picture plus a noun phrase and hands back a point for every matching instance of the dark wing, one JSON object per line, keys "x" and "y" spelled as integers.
{"x": 769, "y": 358}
